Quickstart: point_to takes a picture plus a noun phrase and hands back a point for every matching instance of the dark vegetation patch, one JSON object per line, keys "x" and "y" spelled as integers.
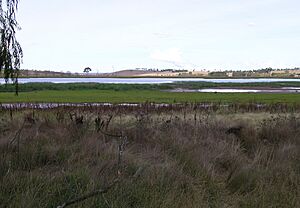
{"x": 29, "y": 87}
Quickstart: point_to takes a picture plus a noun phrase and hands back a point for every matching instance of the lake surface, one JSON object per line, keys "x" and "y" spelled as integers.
{"x": 147, "y": 80}
{"x": 240, "y": 90}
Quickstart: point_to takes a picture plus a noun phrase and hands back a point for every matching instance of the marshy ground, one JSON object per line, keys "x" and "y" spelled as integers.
{"x": 172, "y": 93}
{"x": 162, "y": 157}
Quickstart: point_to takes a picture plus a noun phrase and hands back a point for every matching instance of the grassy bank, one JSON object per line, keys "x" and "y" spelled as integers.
{"x": 139, "y": 96}
{"x": 29, "y": 87}
{"x": 181, "y": 159}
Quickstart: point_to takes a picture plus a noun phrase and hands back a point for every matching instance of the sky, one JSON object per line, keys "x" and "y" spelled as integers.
{"x": 111, "y": 35}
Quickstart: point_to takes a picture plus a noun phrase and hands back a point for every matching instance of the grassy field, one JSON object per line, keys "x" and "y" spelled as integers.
{"x": 168, "y": 159}
{"x": 29, "y": 87}
{"x": 138, "y": 93}
{"x": 139, "y": 96}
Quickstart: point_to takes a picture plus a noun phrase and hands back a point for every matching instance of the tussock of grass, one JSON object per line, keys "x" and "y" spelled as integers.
{"x": 182, "y": 161}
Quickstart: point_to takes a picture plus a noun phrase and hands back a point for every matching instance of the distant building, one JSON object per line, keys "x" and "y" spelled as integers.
{"x": 229, "y": 74}
{"x": 296, "y": 71}
{"x": 200, "y": 73}
{"x": 278, "y": 72}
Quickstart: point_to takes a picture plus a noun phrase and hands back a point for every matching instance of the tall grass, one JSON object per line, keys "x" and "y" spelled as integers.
{"x": 181, "y": 158}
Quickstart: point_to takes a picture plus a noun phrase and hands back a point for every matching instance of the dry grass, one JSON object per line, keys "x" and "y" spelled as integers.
{"x": 181, "y": 159}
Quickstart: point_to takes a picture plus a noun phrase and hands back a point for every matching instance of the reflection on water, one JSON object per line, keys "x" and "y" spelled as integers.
{"x": 237, "y": 90}
{"x": 228, "y": 90}
{"x": 147, "y": 80}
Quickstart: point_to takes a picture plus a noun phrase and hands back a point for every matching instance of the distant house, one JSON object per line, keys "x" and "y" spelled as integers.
{"x": 278, "y": 72}
{"x": 295, "y": 72}
{"x": 229, "y": 74}
{"x": 200, "y": 73}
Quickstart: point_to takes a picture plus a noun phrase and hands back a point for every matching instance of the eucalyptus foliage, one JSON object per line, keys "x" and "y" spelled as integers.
{"x": 11, "y": 53}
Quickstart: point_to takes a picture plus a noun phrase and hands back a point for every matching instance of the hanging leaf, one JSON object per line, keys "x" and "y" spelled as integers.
{"x": 11, "y": 53}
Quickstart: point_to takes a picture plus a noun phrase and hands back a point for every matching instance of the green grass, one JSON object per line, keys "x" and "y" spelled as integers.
{"x": 139, "y": 96}
{"x": 28, "y": 87}
{"x": 138, "y": 93}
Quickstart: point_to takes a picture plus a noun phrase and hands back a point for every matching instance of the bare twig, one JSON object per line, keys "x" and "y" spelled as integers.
{"x": 89, "y": 195}
{"x": 17, "y": 135}
{"x": 121, "y": 148}
{"x": 102, "y": 127}
{"x": 108, "y": 133}
{"x": 105, "y": 200}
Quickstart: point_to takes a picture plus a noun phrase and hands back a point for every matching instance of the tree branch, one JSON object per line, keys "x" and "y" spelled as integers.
{"x": 89, "y": 195}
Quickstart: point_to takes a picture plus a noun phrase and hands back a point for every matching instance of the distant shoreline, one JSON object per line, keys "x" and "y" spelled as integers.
{"x": 159, "y": 77}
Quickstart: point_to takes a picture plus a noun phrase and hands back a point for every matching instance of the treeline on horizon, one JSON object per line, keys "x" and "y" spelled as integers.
{"x": 220, "y": 72}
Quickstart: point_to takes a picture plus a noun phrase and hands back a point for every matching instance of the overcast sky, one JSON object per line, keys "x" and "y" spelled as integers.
{"x": 69, "y": 35}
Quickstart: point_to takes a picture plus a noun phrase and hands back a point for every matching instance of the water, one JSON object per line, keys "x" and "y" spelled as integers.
{"x": 241, "y": 90}
{"x": 147, "y": 80}
{"x": 232, "y": 90}
{"x": 229, "y": 90}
